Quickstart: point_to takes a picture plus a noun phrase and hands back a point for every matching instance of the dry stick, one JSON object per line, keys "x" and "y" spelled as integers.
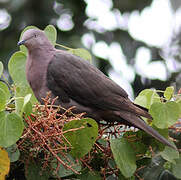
{"x": 89, "y": 167}
{"x": 140, "y": 178}
{"x": 55, "y": 155}
{"x": 74, "y": 129}
{"x": 99, "y": 147}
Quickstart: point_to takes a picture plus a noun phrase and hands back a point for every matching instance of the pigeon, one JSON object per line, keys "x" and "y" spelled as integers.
{"x": 78, "y": 83}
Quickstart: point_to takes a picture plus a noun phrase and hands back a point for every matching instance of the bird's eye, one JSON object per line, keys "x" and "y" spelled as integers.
{"x": 35, "y": 35}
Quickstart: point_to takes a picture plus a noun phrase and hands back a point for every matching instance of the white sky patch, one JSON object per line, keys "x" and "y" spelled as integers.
{"x": 65, "y": 22}
{"x": 108, "y": 21}
{"x": 88, "y": 40}
{"x": 103, "y": 15}
{"x": 119, "y": 62}
{"x": 152, "y": 70}
{"x": 123, "y": 74}
{"x": 143, "y": 57}
{"x": 173, "y": 65}
{"x": 154, "y": 24}
{"x": 116, "y": 57}
{"x": 101, "y": 49}
{"x": 117, "y": 77}
{"x": 156, "y": 70}
{"x": 97, "y": 8}
{"x": 5, "y": 19}
{"x": 177, "y": 20}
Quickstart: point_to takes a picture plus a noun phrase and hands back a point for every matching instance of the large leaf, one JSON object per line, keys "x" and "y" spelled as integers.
{"x": 124, "y": 156}
{"x": 4, "y": 163}
{"x": 16, "y": 68}
{"x": 83, "y": 53}
{"x": 5, "y": 88}
{"x": 153, "y": 170}
{"x": 62, "y": 171}
{"x": 2, "y": 100}
{"x": 179, "y": 104}
{"x": 147, "y": 97}
{"x": 34, "y": 171}
{"x": 11, "y": 128}
{"x": 83, "y": 139}
{"x": 13, "y": 153}
{"x": 90, "y": 175}
{"x": 1, "y": 68}
{"x": 51, "y": 33}
{"x": 4, "y": 95}
{"x": 20, "y": 93}
{"x": 164, "y": 114}
{"x": 139, "y": 146}
{"x": 22, "y": 47}
{"x": 170, "y": 154}
{"x": 166, "y": 175}
{"x": 26, "y": 108}
{"x": 176, "y": 168}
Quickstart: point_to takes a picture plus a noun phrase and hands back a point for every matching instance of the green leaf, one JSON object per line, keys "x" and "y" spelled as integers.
{"x": 83, "y": 53}
{"x": 4, "y": 95}
{"x": 157, "y": 145}
{"x": 27, "y": 106}
{"x": 146, "y": 98}
{"x": 90, "y": 175}
{"x": 51, "y": 33}
{"x": 139, "y": 146}
{"x": 27, "y": 109}
{"x": 176, "y": 168}
{"x": 168, "y": 93}
{"x": 2, "y": 100}
{"x": 20, "y": 93}
{"x": 170, "y": 154}
{"x": 121, "y": 177}
{"x": 83, "y": 139}
{"x": 27, "y": 99}
{"x": 1, "y": 68}
{"x": 11, "y": 128}
{"x": 166, "y": 175}
{"x": 124, "y": 156}
{"x": 34, "y": 171}
{"x": 179, "y": 104}
{"x": 164, "y": 114}
{"x": 13, "y": 153}
{"x": 153, "y": 170}
{"x": 4, "y": 87}
{"x": 22, "y": 47}
{"x": 62, "y": 171}
{"x": 16, "y": 68}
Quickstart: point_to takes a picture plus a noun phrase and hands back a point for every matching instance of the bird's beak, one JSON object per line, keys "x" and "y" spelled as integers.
{"x": 21, "y": 42}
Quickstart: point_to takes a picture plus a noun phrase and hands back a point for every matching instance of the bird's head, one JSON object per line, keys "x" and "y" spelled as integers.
{"x": 34, "y": 38}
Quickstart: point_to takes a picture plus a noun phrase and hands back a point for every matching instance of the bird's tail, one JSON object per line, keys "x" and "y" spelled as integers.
{"x": 139, "y": 123}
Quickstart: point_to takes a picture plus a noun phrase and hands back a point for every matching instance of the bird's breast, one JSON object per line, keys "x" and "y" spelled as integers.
{"x": 36, "y": 77}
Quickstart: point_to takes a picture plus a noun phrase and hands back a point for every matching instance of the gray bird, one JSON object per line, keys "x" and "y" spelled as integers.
{"x": 78, "y": 83}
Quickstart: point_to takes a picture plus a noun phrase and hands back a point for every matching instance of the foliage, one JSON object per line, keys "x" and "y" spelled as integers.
{"x": 1, "y": 68}
{"x": 57, "y": 145}
{"x": 124, "y": 156}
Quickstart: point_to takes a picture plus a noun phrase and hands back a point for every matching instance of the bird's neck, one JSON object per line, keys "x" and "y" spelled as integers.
{"x": 36, "y": 68}
{"x": 39, "y": 58}
{"x": 37, "y": 51}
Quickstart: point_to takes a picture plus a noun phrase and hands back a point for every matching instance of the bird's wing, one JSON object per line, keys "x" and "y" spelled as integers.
{"x": 73, "y": 77}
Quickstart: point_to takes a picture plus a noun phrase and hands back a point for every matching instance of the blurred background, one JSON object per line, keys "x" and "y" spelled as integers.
{"x": 137, "y": 43}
